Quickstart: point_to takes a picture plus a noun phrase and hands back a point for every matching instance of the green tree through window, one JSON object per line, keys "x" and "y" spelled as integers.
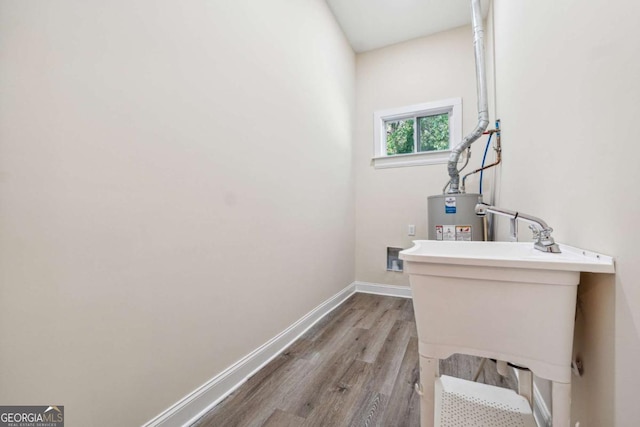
{"x": 415, "y": 135}
{"x": 399, "y": 137}
{"x": 433, "y": 132}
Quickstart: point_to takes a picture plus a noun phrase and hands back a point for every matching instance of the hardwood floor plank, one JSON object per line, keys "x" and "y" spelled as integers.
{"x": 325, "y": 373}
{"x": 320, "y": 327}
{"x": 390, "y": 360}
{"x": 404, "y": 404}
{"x": 377, "y": 335}
{"x": 356, "y": 367}
{"x": 336, "y": 403}
{"x": 253, "y": 402}
{"x": 371, "y": 410}
{"x": 406, "y": 310}
{"x": 377, "y": 308}
{"x": 283, "y": 419}
{"x": 329, "y": 339}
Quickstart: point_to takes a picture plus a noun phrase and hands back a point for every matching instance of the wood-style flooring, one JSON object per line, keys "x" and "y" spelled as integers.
{"x": 356, "y": 367}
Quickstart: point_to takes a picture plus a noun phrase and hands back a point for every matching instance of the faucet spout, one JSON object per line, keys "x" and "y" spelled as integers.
{"x": 541, "y": 230}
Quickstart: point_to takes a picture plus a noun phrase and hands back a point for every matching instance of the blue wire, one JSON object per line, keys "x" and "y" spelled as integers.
{"x": 484, "y": 158}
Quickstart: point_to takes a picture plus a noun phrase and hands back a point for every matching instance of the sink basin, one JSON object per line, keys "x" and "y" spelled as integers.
{"x": 507, "y": 254}
{"x": 504, "y": 298}
{"x": 500, "y": 300}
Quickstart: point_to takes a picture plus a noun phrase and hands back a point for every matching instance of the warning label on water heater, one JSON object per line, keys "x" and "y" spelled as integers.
{"x": 449, "y": 205}
{"x": 448, "y": 232}
{"x": 463, "y": 232}
{"x": 453, "y": 232}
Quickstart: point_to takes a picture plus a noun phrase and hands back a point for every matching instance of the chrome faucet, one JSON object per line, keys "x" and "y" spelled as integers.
{"x": 541, "y": 231}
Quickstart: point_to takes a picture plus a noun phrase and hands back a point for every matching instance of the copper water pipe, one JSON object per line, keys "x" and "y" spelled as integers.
{"x": 498, "y": 157}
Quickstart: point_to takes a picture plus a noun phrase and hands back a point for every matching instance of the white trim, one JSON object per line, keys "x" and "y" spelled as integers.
{"x": 381, "y": 289}
{"x": 412, "y": 159}
{"x": 452, "y": 106}
{"x": 193, "y": 406}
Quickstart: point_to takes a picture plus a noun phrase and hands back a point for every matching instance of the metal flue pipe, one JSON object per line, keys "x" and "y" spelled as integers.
{"x": 483, "y": 108}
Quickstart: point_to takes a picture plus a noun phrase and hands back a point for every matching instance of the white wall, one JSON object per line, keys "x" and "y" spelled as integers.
{"x": 177, "y": 183}
{"x": 568, "y": 94}
{"x": 175, "y": 189}
{"x": 387, "y": 200}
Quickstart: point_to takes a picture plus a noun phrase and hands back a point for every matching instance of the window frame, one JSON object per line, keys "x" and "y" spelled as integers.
{"x": 452, "y": 106}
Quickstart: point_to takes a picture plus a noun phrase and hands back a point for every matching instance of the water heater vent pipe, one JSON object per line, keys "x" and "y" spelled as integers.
{"x": 483, "y": 108}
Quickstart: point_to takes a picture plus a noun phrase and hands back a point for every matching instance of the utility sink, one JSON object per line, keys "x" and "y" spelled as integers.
{"x": 506, "y": 254}
{"x": 501, "y": 300}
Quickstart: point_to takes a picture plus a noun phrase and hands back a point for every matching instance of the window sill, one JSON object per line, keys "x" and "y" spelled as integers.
{"x": 412, "y": 159}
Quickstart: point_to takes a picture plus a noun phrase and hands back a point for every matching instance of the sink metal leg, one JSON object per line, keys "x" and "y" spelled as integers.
{"x": 560, "y": 404}
{"x": 429, "y": 371}
{"x": 525, "y": 385}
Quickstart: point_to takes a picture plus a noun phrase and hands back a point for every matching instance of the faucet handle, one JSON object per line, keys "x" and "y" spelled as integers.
{"x": 536, "y": 232}
{"x": 543, "y": 240}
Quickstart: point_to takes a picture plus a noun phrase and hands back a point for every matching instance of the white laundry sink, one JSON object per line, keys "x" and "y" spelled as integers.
{"x": 506, "y": 254}
{"x": 502, "y": 300}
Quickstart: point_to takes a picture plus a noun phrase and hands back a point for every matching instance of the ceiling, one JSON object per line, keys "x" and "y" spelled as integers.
{"x": 371, "y": 24}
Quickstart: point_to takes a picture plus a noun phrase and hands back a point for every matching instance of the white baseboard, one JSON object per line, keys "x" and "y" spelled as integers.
{"x": 380, "y": 289}
{"x": 193, "y": 406}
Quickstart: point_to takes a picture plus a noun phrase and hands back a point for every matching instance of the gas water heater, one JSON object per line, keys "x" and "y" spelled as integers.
{"x": 453, "y": 217}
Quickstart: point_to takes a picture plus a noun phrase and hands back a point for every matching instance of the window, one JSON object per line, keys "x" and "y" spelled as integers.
{"x": 417, "y": 134}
